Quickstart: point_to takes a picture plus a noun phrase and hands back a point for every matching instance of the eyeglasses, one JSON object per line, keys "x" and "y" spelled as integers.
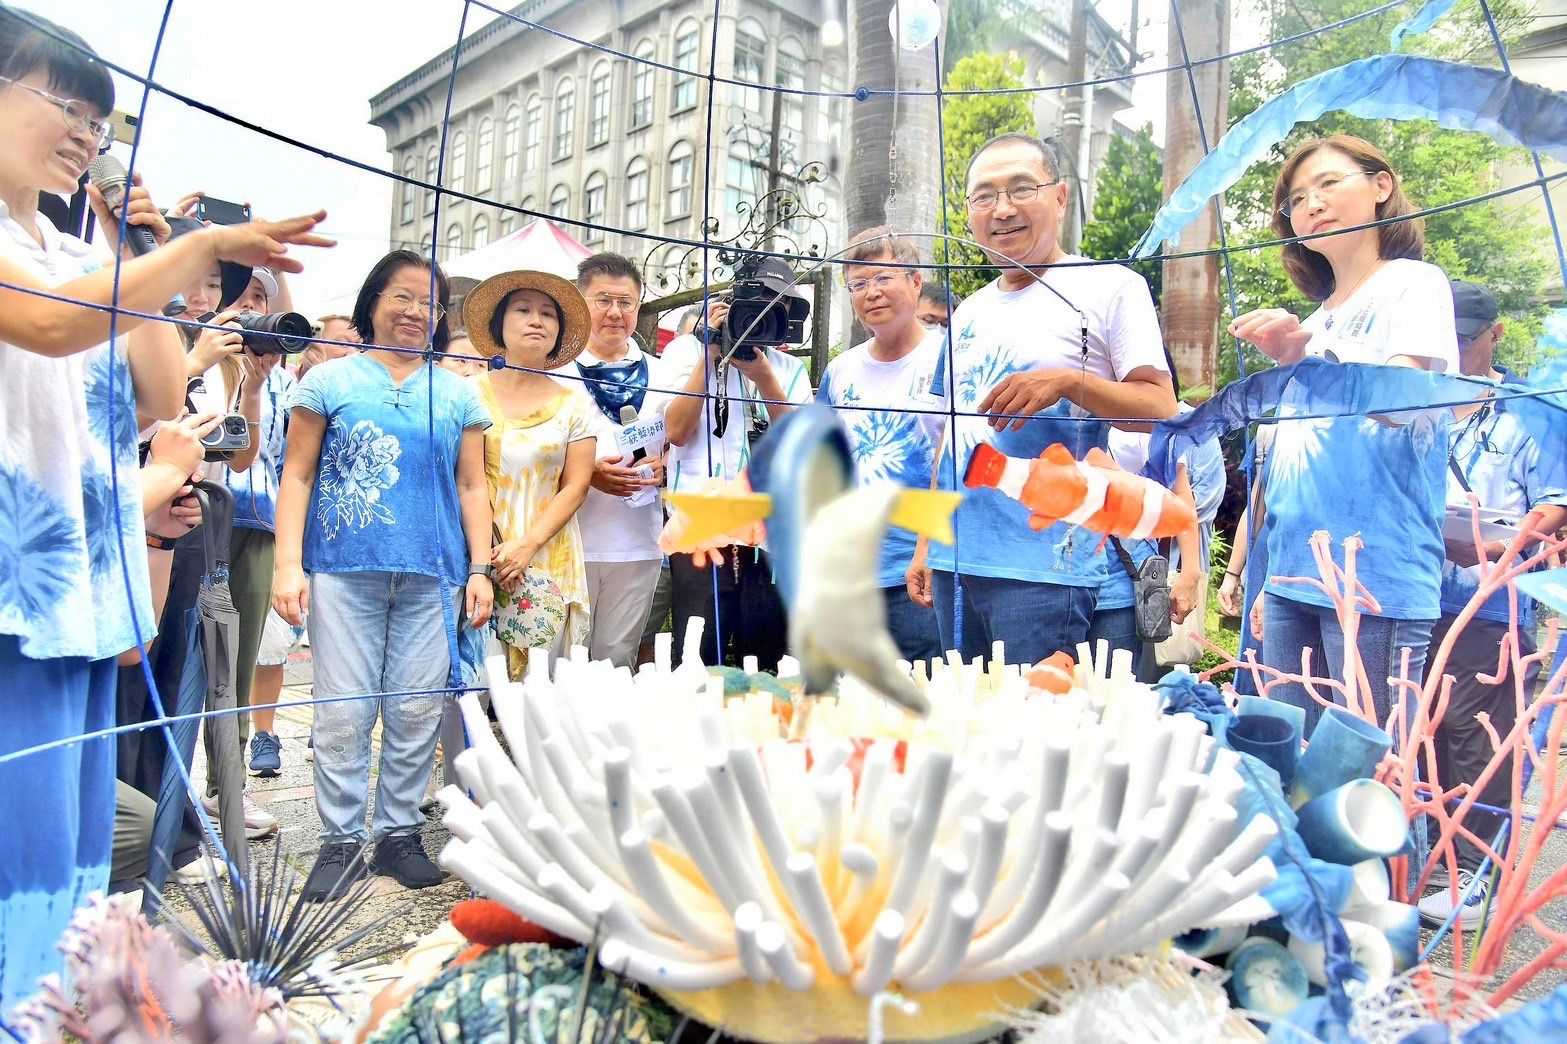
{"x": 880, "y": 281}
{"x": 405, "y": 302}
{"x": 1325, "y": 187}
{"x": 605, "y": 303}
{"x": 1020, "y": 195}
{"x": 77, "y": 113}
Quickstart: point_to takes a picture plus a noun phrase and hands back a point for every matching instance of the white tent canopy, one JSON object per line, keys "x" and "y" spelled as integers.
{"x": 539, "y": 245}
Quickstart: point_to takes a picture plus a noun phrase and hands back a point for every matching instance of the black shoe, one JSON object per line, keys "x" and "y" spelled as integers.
{"x": 401, "y": 857}
{"x": 339, "y": 865}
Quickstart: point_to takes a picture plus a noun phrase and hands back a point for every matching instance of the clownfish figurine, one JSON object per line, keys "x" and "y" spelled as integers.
{"x": 1094, "y": 493}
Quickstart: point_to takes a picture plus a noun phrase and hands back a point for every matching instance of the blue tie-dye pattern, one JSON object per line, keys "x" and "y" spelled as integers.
{"x": 41, "y": 553}
{"x": 991, "y": 527}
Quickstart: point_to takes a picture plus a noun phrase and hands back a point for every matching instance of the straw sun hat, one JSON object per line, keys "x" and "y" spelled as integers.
{"x": 482, "y": 301}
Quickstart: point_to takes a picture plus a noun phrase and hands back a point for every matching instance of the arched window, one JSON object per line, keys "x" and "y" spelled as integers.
{"x": 511, "y": 144}
{"x": 565, "y": 117}
{"x": 457, "y": 161}
{"x": 453, "y": 239}
{"x": 424, "y": 245}
{"x": 598, "y": 105}
{"x": 636, "y": 194}
{"x": 560, "y": 201}
{"x": 481, "y": 231}
{"x": 683, "y": 92}
{"x": 531, "y": 205}
{"x": 750, "y": 64}
{"x": 532, "y": 135}
{"x": 642, "y": 86}
{"x": 410, "y": 191}
{"x": 430, "y": 179}
{"x": 508, "y": 224}
{"x": 681, "y": 167}
{"x": 593, "y": 197}
{"x": 483, "y": 163}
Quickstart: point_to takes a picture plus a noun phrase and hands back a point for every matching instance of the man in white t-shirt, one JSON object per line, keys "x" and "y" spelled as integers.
{"x": 1047, "y": 348}
{"x": 621, "y": 518}
{"x": 711, "y": 428}
{"x": 878, "y": 388}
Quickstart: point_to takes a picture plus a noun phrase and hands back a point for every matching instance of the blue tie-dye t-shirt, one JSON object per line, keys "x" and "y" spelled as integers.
{"x": 890, "y": 443}
{"x": 1379, "y": 478}
{"x": 255, "y": 488}
{"x": 996, "y": 333}
{"x": 1504, "y": 467}
{"x": 385, "y": 496}
{"x": 73, "y": 551}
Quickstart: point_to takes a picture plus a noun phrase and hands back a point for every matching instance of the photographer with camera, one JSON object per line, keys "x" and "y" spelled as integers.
{"x": 732, "y": 381}
{"x": 72, "y": 548}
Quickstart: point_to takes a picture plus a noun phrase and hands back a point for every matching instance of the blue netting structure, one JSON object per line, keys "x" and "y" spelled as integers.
{"x": 1181, "y": 75}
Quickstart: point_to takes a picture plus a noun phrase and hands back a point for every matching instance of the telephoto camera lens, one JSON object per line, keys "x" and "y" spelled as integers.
{"x": 275, "y": 333}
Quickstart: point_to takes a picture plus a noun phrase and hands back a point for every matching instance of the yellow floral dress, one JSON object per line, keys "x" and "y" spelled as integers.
{"x": 523, "y": 461}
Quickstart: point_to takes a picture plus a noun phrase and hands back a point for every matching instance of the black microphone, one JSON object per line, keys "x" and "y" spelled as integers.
{"x": 109, "y": 175}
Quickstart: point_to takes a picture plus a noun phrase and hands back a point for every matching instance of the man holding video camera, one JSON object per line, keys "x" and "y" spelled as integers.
{"x": 732, "y": 381}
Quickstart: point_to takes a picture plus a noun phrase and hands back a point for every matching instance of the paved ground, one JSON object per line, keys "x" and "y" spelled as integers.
{"x": 290, "y": 798}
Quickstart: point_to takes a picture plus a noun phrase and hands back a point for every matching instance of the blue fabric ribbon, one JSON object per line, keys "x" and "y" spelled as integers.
{"x": 1389, "y": 86}
{"x": 1419, "y": 22}
{"x": 1320, "y": 387}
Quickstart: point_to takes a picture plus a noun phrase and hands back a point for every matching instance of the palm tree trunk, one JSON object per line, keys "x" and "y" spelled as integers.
{"x": 1191, "y": 304}
{"x": 893, "y": 150}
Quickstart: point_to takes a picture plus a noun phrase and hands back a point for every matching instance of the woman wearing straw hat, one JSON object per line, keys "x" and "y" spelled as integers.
{"x": 538, "y": 457}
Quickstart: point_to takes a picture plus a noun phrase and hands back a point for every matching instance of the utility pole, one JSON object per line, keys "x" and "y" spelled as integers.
{"x": 1073, "y": 123}
{"x": 1192, "y": 285}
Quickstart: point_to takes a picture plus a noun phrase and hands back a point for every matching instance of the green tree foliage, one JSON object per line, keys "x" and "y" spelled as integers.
{"x": 972, "y": 27}
{"x": 1497, "y": 244}
{"x": 968, "y": 121}
{"x": 1127, "y": 192}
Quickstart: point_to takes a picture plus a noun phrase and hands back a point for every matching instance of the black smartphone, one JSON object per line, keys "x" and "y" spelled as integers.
{"x": 221, "y": 211}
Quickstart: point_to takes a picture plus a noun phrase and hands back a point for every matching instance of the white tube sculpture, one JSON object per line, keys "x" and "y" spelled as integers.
{"x": 773, "y": 886}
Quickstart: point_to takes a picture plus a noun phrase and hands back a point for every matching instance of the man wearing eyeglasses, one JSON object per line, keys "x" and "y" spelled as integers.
{"x": 878, "y": 389}
{"x": 1033, "y": 358}
{"x": 621, "y": 518}
{"x": 1491, "y": 456}
{"x": 718, "y": 411}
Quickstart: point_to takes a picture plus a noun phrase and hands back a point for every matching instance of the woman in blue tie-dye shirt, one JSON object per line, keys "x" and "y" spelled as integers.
{"x": 1380, "y": 479}
{"x": 74, "y": 590}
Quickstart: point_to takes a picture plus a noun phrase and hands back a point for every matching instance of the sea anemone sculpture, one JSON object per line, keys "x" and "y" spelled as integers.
{"x": 771, "y": 887}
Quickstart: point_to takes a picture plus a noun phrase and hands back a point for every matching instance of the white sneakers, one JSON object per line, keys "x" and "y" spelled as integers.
{"x": 1437, "y": 907}
{"x": 259, "y": 822}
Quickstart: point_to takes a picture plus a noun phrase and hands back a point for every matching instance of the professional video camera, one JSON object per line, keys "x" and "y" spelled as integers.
{"x": 758, "y": 316}
{"x": 271, "y": 333}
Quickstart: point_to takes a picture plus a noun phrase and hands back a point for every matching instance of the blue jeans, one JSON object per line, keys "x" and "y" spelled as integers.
{"x": 371, "y": 633}
{"x": 1289, "y": 626}
{"x": 1118, "y": 627}
{"x": 913, "y": 627}
{"x": 1034, "y": 619}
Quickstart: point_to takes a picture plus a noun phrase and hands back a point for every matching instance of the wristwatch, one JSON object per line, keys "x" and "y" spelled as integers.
{"x": 161, "y": 543}
{"x": 481, "y": 569}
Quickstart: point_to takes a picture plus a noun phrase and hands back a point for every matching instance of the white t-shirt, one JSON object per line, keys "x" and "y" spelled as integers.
{"x": 612, "y": 529}
{"x": 711, "y": 456}
{"x": 873, "y": 400}
{"x": 1358, "y": 475}
{"x": 1406, "y": 300}
{"x": 996, "y": 333}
